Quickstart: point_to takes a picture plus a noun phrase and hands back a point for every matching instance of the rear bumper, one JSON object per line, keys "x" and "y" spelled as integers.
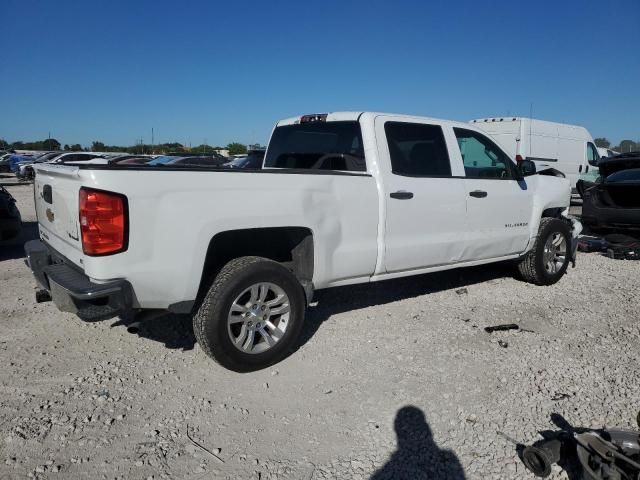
{"x": 598, "y": 212}
{"x": 72, "y": 291}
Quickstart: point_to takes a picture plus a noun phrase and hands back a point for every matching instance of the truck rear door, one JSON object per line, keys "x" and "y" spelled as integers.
{"x": 56, "y": 190}
{"x": 425, "y": 203}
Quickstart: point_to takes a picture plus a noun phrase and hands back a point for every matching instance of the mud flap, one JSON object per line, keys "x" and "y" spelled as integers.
{"x": 576, "y": 229}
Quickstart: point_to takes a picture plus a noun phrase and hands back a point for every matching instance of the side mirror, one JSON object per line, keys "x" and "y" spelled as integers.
{"x": 527, "y": 167}
{"x": 594, "y": 163}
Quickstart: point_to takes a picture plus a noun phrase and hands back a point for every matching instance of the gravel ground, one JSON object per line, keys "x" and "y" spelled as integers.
{"x": 392, "y": 380}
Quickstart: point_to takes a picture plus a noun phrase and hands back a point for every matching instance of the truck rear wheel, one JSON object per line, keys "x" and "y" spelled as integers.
{"x": 252, "y": 315}
{"x": 548, "y": 260}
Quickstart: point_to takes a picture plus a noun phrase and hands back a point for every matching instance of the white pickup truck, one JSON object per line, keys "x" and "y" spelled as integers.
{"x": 342, "y": 198}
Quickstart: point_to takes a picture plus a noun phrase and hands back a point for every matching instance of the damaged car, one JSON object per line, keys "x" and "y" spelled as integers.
{"x": 10, "y": 220}
{"x": 613, "y": 199}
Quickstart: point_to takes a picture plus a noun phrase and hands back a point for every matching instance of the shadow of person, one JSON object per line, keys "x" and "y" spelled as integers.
{"x": 173, "y": 330}
{"x": 417, "y": 456}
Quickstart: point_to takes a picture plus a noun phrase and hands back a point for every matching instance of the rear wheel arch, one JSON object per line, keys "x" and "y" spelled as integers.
{"x": 252, "y": 314}
{"x": 292, "y": 247}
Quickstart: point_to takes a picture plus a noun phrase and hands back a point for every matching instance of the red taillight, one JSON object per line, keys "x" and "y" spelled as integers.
{"x": 103, "y": 222}
{"x": 519, "y": 158}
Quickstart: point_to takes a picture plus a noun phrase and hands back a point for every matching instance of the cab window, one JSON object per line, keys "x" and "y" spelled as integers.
{"x": 417, "y": 150}
{"x": 482, "y": 158}
{"x": 317, "y": 146}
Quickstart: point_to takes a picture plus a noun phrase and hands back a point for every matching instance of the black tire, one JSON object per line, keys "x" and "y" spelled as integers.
{"x": 532, "y": 267}
{"x": 210, "y": 321}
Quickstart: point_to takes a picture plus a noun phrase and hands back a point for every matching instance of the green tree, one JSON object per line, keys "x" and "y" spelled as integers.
{"x": 51, "y": 144}
{"x": 97, "y": 147}
{"x": 627, "y": 146}
{"x": 236, "y": 148}
{"x": 48, "y": 144}
{"x": 4, "y": 145}
{"x": 602, "y": 142}
{"x": 203, "y": 149}
{"x": 76, "y": 147}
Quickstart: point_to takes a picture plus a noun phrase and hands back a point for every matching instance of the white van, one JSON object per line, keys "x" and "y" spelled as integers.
{"x": 567, "y": 148}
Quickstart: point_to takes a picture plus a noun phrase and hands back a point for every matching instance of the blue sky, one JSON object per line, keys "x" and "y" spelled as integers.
{"x": 227, "y": 71}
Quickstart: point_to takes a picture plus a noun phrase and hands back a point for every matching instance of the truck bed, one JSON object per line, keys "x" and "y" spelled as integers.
{"x": 175, "y": 212}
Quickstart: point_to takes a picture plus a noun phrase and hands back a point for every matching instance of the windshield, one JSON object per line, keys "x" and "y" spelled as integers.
{"x": 317, "y": 145}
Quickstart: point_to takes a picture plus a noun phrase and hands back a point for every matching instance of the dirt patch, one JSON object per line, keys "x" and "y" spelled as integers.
{"x": 393, "y": 380}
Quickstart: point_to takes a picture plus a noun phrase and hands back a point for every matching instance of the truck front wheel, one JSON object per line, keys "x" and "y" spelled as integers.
{"x": 548, "y": 259}
{"x": 252, "y": 315}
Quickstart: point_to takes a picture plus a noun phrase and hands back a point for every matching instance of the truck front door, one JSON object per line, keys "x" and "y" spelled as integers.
{"x": 498, "y": 205}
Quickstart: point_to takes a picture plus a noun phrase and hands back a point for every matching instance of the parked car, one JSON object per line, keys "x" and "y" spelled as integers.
{"x": 342, "y": 198}
{"x": 567, "y": 148}
{"x": 613, "y": 199}
{"x": 18, "y": 158}
{"x": 176, "y": 160}
{"x": 162, "y": 159}
{"x": 131, "y": 159}
{"x": 25, "y": 170}
{"x": 4, "y": 162}
{"x": 199, "y": 160}
{"x": 253, "y": 160}
{"x": 606, "y": 152}
{"x": 10, "y": 220}
{"x": 134, "y": 161}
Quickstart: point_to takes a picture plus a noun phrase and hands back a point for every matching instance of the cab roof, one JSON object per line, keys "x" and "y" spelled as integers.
{"x": 355, "y": 116}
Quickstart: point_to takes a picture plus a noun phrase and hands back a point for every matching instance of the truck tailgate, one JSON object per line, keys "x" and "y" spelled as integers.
{"x": 56, "y": 190}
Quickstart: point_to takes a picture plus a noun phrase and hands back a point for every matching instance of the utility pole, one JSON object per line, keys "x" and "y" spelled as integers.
{"x": 152, "y": 140}
{"x": 530, "y": 125}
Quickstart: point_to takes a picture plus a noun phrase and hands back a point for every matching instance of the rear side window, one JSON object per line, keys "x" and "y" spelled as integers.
{"x": 417, "y": 150}
{"x": 317, "y": 146}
